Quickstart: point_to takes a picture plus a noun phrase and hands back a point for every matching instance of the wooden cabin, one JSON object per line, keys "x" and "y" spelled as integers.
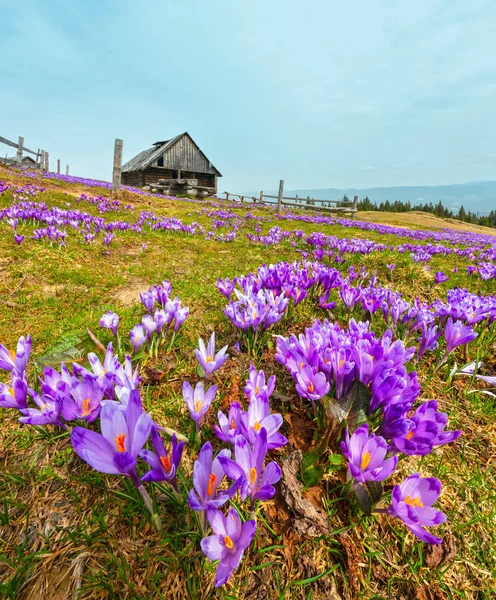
{"x": 173, "y": 166}
{"x": 27, "y": 161}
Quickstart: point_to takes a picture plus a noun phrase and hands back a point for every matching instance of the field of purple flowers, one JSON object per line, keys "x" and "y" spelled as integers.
{"x": 207, "y": 400}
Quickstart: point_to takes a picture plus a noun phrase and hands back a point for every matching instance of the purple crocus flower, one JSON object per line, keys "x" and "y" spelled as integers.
{"x": 148, "y": 299}
{"x": 440, "y": 277}
{"x": 425, "y": 431}
{"x": 229, "y": 427}
{"x": 108, "y": 238}
{"x": 149, "y": 325}
{"x": 229, "y": 542}
{"x": 199, "y": 401}
{"x": 19, "y": 360}
{"x": 457, "y": 334}
{"x": 259, "y": 417}
{"x": 412, "y": 501}
{"x": 15, "y": 395}
{"x": 85, "y": 403}
{"x": 248, "y": 469}
{"x": 208, "y": 359}
{"x": 116, "y": 449}
{"x": 226, "y": 286}
{"x": 180, "y": 316}
{"x": 47, "y": 413}
{"x": 207, "y": 476}
{"x": 18, "y": 239}
{"x": 110, "y": 320}
{"x": 256, "y": 384}
{"x": 366, "y": 456}
{"x": 163, "y": 464}
{"x": 311, "y": 385}
{"x": 137, "y": 336}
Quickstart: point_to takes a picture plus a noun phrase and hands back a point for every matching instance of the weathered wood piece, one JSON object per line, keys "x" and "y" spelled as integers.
{"x": 67, "y": 169}
{"x": 279, "y": 197}
{"x": 15, "y": 145}
{"x": 47, "y": 162}
{"x": 58, "y": 166}
{"x": 20, "y": 145}
{"x": 116, "y": 176}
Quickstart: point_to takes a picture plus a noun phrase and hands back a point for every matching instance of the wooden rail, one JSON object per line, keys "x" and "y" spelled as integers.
{"x": 303, "y": 203}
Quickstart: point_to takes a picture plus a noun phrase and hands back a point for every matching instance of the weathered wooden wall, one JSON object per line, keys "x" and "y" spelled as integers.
{"x": 186, "y": 155}
{"x": 135, "y": 179}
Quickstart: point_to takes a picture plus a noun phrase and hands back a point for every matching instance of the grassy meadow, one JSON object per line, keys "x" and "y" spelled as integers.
{"x": 67, "y": 531}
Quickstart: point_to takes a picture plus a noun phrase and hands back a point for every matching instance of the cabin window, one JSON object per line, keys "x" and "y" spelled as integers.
{"x": 160, "y": 162}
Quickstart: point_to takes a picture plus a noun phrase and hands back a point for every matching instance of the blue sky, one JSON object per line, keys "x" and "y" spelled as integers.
{"x": 321, "y": 93}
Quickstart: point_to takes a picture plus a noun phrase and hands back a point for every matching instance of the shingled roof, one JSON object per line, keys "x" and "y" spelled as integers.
{"x": 146, "y": 158}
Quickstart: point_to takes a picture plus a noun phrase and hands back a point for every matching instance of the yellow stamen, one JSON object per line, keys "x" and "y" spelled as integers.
{"x": 165, "y": 460}
{"x": 233, "y": 424}
{"x": 198, "y": 405}
{"x": 341, "y": 363}
{"x": 10, "y": 391}
{"x": 257, "y": 389}
{"x": 211, "y": 484}
{"x": 228, "y": 542}
{"x": 413, "y": 501}
{"x": 257, "y": 426}
{"x": 366, "y": 457}
{"x": 210, "y": 358}
{"x": 253, "y": 475}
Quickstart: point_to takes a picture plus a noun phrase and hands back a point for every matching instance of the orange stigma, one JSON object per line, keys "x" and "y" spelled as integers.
{"x": 228, "y": 542}
{"x": 165, "y": 460}
{"x": 410, "y": 434}
{"x": 257, "y": 389}
{"x": 366, "y": 456}
{"x": 10, "y": 391}
{"x": 311, "y": 387}
{"x": 233, "y": 424}
{"x": 253, "y": 475}
{"x": 413, "y": 501}
{"x": 211, "y": 484}
{"x": 257, "y": 426}
{"x": 86, "y": 407}
{"x": 119, "y": 442}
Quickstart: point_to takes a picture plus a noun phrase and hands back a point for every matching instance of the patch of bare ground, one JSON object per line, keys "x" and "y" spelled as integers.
{"x": 130, "y": 293}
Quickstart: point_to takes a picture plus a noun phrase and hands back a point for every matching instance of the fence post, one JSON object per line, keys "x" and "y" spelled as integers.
{"x": 227, "y": 196}
{"x": 58, "y": 166}
{"x": 261, "y": 196}
{"x": 279, "y": 197}
{"x": 67, "y": 169}
{"x": 19, "y": 150}
{"x": 116, "y": 178}
{"x": 355, "y": 206}
{"x": 38, "y": 156}
{"x": 47, "y": 162}
{"x": 296, "y": 199}
{"x": 42, "y": 158}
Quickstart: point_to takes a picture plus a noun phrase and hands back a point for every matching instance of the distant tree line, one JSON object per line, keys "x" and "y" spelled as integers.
{"x": 435, "y": 209}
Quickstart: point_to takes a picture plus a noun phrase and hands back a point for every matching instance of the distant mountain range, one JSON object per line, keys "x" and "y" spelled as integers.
{"x": 477, "y": 196}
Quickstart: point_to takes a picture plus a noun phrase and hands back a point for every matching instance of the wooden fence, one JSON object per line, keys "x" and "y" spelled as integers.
{"x": 42, "y": 160}
{"x": 334, "y": 206}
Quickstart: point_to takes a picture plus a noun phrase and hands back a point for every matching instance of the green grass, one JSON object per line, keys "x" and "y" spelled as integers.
{"x": 63, "y": 525}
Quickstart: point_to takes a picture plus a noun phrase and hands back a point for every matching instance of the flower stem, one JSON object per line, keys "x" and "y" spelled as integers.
{"x": 156, "y": 522}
